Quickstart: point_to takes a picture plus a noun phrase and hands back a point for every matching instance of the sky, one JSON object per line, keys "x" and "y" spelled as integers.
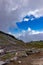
{"x": 13, "y": 18}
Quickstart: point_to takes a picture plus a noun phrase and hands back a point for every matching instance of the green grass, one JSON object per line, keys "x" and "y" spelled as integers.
{"x": 35, "y": 44}
{"x": 6, "y": 39}
{"x": 8, "y": 56}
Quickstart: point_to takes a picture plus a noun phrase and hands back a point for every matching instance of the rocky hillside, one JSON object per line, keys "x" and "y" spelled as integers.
{"x": 11, "y": 42}
{"x": 7, "y": 40}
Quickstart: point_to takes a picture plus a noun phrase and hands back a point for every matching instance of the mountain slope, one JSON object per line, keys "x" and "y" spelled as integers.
{"x": 10, "y": 41}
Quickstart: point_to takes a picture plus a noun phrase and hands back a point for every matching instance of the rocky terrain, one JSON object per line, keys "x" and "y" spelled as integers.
{"x": 14, "y": 51}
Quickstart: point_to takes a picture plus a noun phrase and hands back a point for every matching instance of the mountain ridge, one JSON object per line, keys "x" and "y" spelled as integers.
{"x": 8, "y": 42}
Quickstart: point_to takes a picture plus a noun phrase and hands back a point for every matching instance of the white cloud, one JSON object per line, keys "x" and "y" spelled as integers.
{"x": 29, "y": 30}
{"x": 11, "y": 33}
{"x": 14, "y": 10}
{"x": 36, "y": 13}
{"x": 32, "y": 19}
{"x": 32, "y": 32}
{"x": 26, "y": 19}
{"x": 33, "y": 12}
{"x": 29, "y": 35}
{"x": 24, "y": 32}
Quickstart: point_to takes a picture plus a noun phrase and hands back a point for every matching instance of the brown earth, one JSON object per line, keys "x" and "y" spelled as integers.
{"x": 34, "y": 59}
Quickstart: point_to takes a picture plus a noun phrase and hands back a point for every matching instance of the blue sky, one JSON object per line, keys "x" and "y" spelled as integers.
{"x": 29, "y": 29}
{"x": 12, "y": 11}
{"x": 22, "y": 18}
{"x": 35, "y": 24}
{"x": 31, "y": 22}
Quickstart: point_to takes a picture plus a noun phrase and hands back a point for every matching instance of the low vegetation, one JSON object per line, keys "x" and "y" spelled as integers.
{"x": 7, "y": 40}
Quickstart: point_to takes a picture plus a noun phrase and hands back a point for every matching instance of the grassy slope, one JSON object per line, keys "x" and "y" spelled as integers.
{"x": 9, "y": 40}
{"x": 35, "y": 44}
{"x": 6, "y": 39}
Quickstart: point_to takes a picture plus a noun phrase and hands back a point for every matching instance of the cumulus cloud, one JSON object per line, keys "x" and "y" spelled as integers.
{"x": 30, "y": 35}
{"x": 36, "y": 13}
{"x": 26, "y": 19}
{"x": 12, "y": 11}
{"x": 29, "y": 31}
